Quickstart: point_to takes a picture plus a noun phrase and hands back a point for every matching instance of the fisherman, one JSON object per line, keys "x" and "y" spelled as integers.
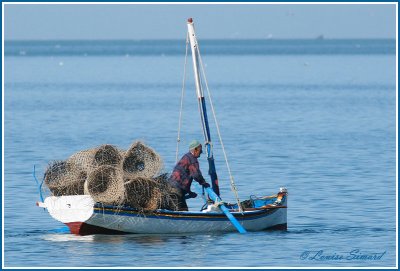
{"x": 185, "y": 171}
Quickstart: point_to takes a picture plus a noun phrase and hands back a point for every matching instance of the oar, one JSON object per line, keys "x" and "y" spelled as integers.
{"x": 235, "y": 223}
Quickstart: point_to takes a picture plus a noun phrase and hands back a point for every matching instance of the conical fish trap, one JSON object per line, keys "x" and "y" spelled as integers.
{"x": 149, "y": 194}
{"x": 105, "y": 184}
{"x": 100, "y": 173}
{"x": 166, "y": 200}
{"x": 64, "y": 178}
{"x": 155, "y": 202}
{"x": 138, "y": 192}
{"x": 100, "y": 156}
{"x": 141, "y": 161}
{"x": 83, "y": 159}
{"x": 170, "y": 195}
{"x": 162, "y": 179}
{"x": 107, "y": 155}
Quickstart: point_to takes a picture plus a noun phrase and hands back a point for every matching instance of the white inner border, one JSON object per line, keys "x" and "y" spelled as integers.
{"x": 199, "y": 3}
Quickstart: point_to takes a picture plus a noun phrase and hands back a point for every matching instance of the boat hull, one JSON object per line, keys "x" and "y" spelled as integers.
{"x": 185, "y": 222}
{"x": 83, "y": 217}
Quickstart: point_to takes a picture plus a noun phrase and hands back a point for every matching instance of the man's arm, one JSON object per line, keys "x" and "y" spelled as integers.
{"x": 195, "y": 173}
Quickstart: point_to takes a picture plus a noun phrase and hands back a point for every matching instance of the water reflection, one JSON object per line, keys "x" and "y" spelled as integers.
{"x": 141, "y": 239}
{"x": 57, "y": 237}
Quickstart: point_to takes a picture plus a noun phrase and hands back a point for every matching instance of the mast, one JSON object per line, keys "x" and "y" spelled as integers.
{"x": 202, "y": 107}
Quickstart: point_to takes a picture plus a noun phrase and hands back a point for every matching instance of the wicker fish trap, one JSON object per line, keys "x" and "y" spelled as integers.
{"x": 148, "y": 194}
{"x": 64, "y": 178}
{"x": 141, "y": 161}
{"x": 105, "y": 184}
{"x": 138, "y": 192}
{"x": 84, "y": 159}
{"x": 107, "y": 155}
{"x": 102, "y": 155}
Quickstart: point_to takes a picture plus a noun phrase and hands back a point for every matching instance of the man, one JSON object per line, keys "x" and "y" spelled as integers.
{"x": 185, "y": 171}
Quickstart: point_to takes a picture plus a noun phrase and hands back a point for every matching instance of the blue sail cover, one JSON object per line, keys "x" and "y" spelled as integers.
{"x": 210, "y": 157}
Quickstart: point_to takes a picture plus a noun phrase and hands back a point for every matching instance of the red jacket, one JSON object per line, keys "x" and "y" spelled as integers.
{"x": 185, "y": 171}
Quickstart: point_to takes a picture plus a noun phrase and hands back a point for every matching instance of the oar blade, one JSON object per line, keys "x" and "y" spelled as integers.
{"x": 225, "y": 210}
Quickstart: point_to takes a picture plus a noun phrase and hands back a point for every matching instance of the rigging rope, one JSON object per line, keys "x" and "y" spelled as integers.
{"x": 178, "y": 140}
{"x": 233, "y": 186}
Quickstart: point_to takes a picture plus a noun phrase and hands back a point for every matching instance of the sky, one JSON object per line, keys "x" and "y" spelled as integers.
{"x": 212, "y": 21}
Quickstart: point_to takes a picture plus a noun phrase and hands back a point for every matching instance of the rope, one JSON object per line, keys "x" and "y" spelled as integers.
{"x": 218, "y": 203}
{"x": 233, "y": 186}
{"x": 178, "y": 140}
{"x": 37, "y": 182}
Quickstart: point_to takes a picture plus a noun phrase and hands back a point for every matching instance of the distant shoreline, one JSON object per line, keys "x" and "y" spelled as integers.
{"x": 318, "y": 46}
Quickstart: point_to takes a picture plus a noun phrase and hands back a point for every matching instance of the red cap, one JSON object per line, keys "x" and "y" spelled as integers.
{"x": 190, "y": 20}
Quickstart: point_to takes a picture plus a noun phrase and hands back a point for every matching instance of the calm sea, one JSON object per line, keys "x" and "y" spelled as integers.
{"x": 315, "y": 116}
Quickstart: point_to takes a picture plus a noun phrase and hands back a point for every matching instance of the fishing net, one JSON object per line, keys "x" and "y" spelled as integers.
{"x": 138, "y": 192}
{"x": 141, "y": 161}
{"x": 170, "y": 196}
{"x": 64, "y": 178}
{"x": 149, "y": 194}
{"x": 162, "y": 179}
{"x": 105, "y": 184}
{"x": 171, "y": 201}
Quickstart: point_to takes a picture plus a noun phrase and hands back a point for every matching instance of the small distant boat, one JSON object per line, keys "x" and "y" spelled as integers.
{"x": 84, "y": 216}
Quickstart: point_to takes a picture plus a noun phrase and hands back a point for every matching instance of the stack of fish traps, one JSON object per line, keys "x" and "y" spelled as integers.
{"x": 112, "y": 176}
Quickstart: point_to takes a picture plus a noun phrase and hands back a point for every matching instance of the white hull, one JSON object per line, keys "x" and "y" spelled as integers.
{"x": 84, "y": 216}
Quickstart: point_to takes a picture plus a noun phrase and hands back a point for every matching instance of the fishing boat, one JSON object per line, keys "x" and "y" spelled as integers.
{"x": 84, "y": 216}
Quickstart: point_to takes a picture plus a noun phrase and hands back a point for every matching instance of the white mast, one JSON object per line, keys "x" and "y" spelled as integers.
{"x": 194, "y": 47}
{"x": 202, "y": 106}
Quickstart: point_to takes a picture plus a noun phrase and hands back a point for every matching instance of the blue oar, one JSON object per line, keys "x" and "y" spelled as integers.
{"x": 235, "y": 223}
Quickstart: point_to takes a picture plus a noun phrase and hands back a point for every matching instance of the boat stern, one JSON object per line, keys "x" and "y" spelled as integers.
{"x": 278, "y": 203}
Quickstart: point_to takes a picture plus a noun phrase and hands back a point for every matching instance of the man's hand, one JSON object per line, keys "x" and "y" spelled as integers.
{"x": 191, "y": 195}
{"x": 206, "y": 185}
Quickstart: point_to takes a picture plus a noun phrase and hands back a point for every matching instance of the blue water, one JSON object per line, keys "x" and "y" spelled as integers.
{"x": 320, "y": 122}
{"x": 210, "y": 47}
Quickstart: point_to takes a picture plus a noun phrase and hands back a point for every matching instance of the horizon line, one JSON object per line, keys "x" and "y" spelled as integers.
{"x": 203, "y": 39}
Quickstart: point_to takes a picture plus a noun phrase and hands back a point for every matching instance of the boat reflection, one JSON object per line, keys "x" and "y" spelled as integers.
{"x": 66, "y": 237}
{"x": 143, "y": 239}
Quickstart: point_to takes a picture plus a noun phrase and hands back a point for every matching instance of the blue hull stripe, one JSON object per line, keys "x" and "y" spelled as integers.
{"x": 186, "y": 216}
